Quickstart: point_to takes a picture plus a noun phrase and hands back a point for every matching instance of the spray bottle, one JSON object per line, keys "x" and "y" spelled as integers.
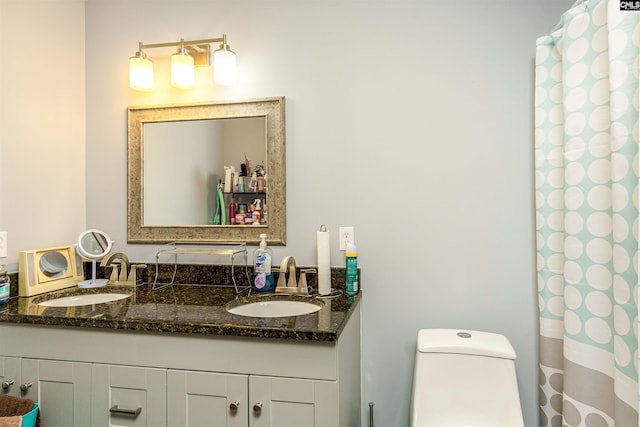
{"x": 351, "y": 270}
{"x": 263, "y": 280}
{"x": 256, "y": 211}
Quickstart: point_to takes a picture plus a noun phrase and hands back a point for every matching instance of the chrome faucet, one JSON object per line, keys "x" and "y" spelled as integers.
{"x": 288, "y": 286}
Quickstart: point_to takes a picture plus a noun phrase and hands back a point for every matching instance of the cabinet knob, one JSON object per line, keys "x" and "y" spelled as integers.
{"x": 25, "y": 386}
{"x": 257, "y": 408}
{"x": 7, "y": 384}
{"x": 234, "y": 405}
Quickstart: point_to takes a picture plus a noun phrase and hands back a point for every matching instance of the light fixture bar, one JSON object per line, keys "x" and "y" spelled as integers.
{"x": 186, "y": 42}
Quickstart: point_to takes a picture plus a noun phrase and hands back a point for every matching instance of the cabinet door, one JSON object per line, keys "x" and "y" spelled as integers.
{"x": 203, "y": 399}
{"x": 62, "y": 389}
{"x": 10, "y": 376}
{"x": 288, "y": 402}
{"x": 128, "y": 396}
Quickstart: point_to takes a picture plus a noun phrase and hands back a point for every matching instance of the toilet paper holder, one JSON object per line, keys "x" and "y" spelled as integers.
{"x": 371, "y": 414}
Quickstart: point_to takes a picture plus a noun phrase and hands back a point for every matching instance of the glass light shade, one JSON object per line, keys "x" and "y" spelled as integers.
{"x": 224, "y": 67}
{"x": 182, "y": 71}
{"x": 140, "y": 73}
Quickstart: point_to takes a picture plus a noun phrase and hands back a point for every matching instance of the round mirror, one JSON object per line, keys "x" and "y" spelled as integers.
{"x": 93, "y": 244}
{"x": 53, "y": 264}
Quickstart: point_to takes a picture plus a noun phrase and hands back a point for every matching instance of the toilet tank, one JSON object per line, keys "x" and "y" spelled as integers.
{"x": 463, "y": 379}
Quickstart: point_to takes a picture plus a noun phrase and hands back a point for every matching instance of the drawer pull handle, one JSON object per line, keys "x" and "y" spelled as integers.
{"x": 7, "y": 384}
{"x": 257, "y": 408}
{"x": 121, "y": 411}
{"x": 234, "y": 405}
{"x": 25, "y": 386}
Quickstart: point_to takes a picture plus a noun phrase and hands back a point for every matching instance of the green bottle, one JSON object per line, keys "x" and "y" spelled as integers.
{"x": 352, "y": 270}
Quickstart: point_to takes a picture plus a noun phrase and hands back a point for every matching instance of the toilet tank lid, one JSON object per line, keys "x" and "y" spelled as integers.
{"x": 465, "y": 342}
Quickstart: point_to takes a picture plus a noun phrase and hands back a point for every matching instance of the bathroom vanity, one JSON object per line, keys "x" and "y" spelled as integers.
{"x": 176, "y": 357}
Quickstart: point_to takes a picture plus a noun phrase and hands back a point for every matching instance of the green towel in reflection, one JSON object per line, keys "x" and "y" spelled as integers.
{"x": 223, "y": 216}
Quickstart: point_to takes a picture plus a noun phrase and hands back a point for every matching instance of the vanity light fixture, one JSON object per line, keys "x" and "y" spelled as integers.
{"x": 190, "y": 53}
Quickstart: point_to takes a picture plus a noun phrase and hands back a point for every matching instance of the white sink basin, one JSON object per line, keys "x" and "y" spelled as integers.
{"x": 275, "y": 308}
{"x": 85, "y": 299}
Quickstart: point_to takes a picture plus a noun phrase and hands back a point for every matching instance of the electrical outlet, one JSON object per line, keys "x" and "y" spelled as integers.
{"x": 3, "y": 244}
{"x": 346, "y": 237}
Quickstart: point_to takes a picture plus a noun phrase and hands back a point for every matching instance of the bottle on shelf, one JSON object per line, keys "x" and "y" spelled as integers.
{"x": 256, "y": 211}
{"x": 232, "y": 212}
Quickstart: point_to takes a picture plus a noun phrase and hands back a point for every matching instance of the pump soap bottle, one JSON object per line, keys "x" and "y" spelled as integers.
{"x": 351, "y": 270}
{"x": 263, "y": 280}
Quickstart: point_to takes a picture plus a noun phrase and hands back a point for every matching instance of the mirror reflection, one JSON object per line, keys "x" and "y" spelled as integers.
{"x": 188, "y": 159}
{"x": 207, "y": 172}
{"x": 53, "y": 264}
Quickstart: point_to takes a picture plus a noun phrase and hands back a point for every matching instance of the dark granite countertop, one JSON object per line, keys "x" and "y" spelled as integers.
{"x": 181, "y": 309}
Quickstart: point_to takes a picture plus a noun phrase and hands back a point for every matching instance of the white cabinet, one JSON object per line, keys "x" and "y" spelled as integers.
{"x": 292, "y": 402}
{"x": 96, "y": 377}
{"x": 199, "y": 399}
{"x": 127, "y": 395}
{"x": 62, "y": 389}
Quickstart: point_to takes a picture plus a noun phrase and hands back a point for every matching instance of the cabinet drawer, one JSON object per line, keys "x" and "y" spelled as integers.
{"x": 128, "y": 396}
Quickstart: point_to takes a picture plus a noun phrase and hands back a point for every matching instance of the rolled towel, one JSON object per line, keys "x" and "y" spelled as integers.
{"x": 11, "y": 421}
{"x": 11, "y": 406}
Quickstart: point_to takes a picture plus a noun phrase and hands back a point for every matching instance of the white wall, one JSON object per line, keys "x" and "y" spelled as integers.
{"x": 410, "y": 120}
{"x": 183, "y": 165}
{"x": 42, "y": 124}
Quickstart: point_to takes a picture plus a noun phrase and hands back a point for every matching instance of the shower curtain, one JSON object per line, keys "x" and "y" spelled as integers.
{"x": 586, "y": 178}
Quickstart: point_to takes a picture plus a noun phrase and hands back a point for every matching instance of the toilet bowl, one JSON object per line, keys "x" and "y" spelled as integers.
{"x": 463, "y": 379}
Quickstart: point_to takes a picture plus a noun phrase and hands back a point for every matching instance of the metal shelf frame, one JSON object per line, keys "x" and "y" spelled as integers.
{"x": 231, "y": 250}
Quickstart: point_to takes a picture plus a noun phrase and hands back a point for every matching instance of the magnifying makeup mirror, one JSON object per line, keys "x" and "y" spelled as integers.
{"x": 93, "y": 245}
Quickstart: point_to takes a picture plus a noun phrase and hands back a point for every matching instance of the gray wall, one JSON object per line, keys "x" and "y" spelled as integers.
{"x": 410, "y": 120}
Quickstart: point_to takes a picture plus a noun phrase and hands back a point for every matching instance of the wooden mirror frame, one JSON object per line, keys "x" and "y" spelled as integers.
{"x": 272, "y": 109}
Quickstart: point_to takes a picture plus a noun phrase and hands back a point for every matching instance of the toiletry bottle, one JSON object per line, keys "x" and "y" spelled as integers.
{"x": 352, "y": 270}
{"x": 4, "y": 284}
{"x": 256, "y": 211}
{"x": 264, "y": 213}
{"x": 263, "y": 280}
{"x": 232, "y": 212}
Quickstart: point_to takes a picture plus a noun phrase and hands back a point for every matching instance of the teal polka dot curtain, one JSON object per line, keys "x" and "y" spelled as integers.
{"x": 586, "y": 178}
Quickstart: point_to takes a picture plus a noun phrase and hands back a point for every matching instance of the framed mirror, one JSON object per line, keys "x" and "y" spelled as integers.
{"x": 180, "y": 185}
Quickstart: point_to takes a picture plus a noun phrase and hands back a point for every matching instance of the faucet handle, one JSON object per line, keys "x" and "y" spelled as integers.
{"x": 132, "y": 274}
{"x": 114, "y": 273}
{"x": 303, "y": 287}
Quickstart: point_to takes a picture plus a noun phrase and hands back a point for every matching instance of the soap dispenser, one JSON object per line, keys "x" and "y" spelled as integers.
{"x": 263, "y": 280}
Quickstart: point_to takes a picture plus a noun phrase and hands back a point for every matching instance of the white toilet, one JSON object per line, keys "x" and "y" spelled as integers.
{"x": 464, "y": 379}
